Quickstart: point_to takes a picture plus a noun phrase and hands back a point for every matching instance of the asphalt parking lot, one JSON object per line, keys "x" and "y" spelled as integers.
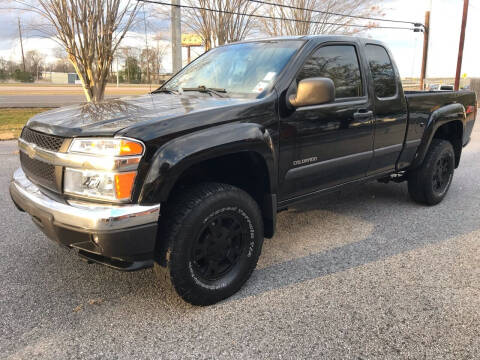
{"x": 361, "y": 275}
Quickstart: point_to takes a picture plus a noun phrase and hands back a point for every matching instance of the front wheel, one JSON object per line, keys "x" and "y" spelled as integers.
{"x": 214, "y": 235}
{"x": 430, "y": 183}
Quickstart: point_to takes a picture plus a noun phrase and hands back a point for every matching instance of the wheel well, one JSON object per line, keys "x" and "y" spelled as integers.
{"x": 453, "y": 132}
{"x": 246, "y": 170}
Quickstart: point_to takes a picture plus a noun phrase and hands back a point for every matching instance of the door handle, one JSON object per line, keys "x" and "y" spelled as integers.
{"x": 363, "y": 115}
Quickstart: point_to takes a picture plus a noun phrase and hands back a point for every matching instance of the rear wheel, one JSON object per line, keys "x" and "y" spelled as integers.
{"x": 214, "y": 235}
{"x": 430, "y": 183}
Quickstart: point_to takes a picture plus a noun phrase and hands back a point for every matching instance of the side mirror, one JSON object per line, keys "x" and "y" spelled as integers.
{"x": 313, "y": 91}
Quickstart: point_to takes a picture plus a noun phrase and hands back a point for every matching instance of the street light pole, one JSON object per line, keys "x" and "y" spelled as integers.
{"x": 460, "y": 47}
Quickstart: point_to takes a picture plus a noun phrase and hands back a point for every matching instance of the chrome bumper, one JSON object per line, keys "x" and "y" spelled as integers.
{"x": 81, "y": 216}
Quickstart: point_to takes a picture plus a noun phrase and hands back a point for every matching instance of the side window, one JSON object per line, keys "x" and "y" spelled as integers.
{"x": 339, "y": 63}
{"x": 382, "y": 71}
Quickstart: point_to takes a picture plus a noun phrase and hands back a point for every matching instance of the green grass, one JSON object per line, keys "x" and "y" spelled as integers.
{"x": 12, "y": 120}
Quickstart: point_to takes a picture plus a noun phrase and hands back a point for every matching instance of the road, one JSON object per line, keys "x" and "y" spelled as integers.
{"x": 366, "y": 274}
{"x": 55, "y": 96}
{"x": 37, "y": 101}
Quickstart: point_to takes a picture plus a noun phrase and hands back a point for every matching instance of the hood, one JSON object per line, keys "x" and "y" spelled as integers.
{"x": 119, "y": 115}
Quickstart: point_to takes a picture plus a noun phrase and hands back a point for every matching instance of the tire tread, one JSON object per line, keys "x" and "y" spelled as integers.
{"x": 176, "y": 212}
{"x": 418, "y": 178}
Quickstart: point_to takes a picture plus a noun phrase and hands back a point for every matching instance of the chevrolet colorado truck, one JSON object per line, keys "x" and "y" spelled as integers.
{"x": 189, "y": 178}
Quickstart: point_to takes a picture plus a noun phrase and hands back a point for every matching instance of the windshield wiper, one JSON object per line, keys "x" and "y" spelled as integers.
{"x": 202, "y": 88}
{"x": 164, "y": 90}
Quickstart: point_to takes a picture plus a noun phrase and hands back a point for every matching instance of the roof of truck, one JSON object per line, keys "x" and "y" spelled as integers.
{"x": 309, "y": 37}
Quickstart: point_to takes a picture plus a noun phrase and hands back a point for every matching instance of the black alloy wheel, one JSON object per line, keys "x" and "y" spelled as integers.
{"x": 443, "y": 173}
{"x": 219, "y": 246}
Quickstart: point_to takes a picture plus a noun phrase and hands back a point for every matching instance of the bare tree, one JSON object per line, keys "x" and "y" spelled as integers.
{"x": 220, "y": 26}
{"x": 161, "y": 50}
{"x": 89, "y": 30}
{"x": 62, "y": 64}
{"x": 311, "y": 22}
{"x": 34, "y": 60}
{"x": 150, "y": 62}
{"x": 130, "y": 55}
{"x": 3, "y": 69}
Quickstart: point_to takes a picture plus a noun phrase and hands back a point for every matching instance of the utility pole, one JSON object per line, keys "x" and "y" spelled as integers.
{"x": 21, "y": 43}
{"x": 176, "y": 37}
{"x": 460, "y": 47}
{"x": 426, "y": 39}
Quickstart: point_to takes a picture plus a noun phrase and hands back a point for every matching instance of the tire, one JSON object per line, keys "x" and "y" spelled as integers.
{"x": 214, "y": 235}
{"x": 429, "y": 183}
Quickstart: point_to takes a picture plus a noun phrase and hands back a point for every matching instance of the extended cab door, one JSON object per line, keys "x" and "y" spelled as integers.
{"x": 390, "y": 109}
{"x": 325, "y": 145}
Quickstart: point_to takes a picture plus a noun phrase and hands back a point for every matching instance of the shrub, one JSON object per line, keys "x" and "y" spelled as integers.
{"x": 22, "y": 76}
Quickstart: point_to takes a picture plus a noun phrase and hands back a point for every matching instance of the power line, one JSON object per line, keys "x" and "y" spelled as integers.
{"x": 192, "y": 7}
{"x": 336, "y": 14}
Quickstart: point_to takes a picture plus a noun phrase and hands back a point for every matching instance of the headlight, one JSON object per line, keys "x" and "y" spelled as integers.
{"x": 106, "y": 147}
{"x": 100, "y": 185}
{"x": 111, "y": 155}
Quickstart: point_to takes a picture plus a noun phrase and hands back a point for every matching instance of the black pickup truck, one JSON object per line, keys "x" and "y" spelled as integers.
{"x": 189, "y": 178}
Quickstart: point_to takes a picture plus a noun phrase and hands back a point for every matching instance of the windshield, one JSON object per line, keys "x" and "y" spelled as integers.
{"x": 245, "y": 68}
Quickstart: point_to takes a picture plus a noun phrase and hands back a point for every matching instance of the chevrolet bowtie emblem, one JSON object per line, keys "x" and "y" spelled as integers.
{"x": 31, "y": 151}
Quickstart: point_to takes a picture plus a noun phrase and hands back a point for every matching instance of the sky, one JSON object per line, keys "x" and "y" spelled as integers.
{"x": 445, "y": 24}
{"x": 446, "y": 16}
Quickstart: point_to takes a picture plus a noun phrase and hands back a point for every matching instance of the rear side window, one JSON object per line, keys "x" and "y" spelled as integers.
{"x": 382, "y": 71}
{"x": 339, "y": 63}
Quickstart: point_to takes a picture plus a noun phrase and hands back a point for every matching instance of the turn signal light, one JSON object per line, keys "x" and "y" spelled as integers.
{"x": 130, "y": 148}
{"x": 124, "y": 185}
{"x": 106, "y": 146}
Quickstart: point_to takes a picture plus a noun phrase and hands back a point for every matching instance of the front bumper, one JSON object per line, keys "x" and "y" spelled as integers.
{"x": 122, "y": 237}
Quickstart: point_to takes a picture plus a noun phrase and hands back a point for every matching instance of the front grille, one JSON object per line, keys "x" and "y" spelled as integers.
{"x": 44, "y": 141}
{"x": 39, "y": 171}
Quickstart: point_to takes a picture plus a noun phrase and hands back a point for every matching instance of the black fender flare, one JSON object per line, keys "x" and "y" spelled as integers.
{"x": 177, "y": 155}
{"x": 439, "y": 117}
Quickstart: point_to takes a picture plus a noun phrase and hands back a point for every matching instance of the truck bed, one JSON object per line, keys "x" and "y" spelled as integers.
{"x": 421, "y": 104}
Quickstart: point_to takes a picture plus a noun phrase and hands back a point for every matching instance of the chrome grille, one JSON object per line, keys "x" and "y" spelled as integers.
{"x": 44, "y": 141}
